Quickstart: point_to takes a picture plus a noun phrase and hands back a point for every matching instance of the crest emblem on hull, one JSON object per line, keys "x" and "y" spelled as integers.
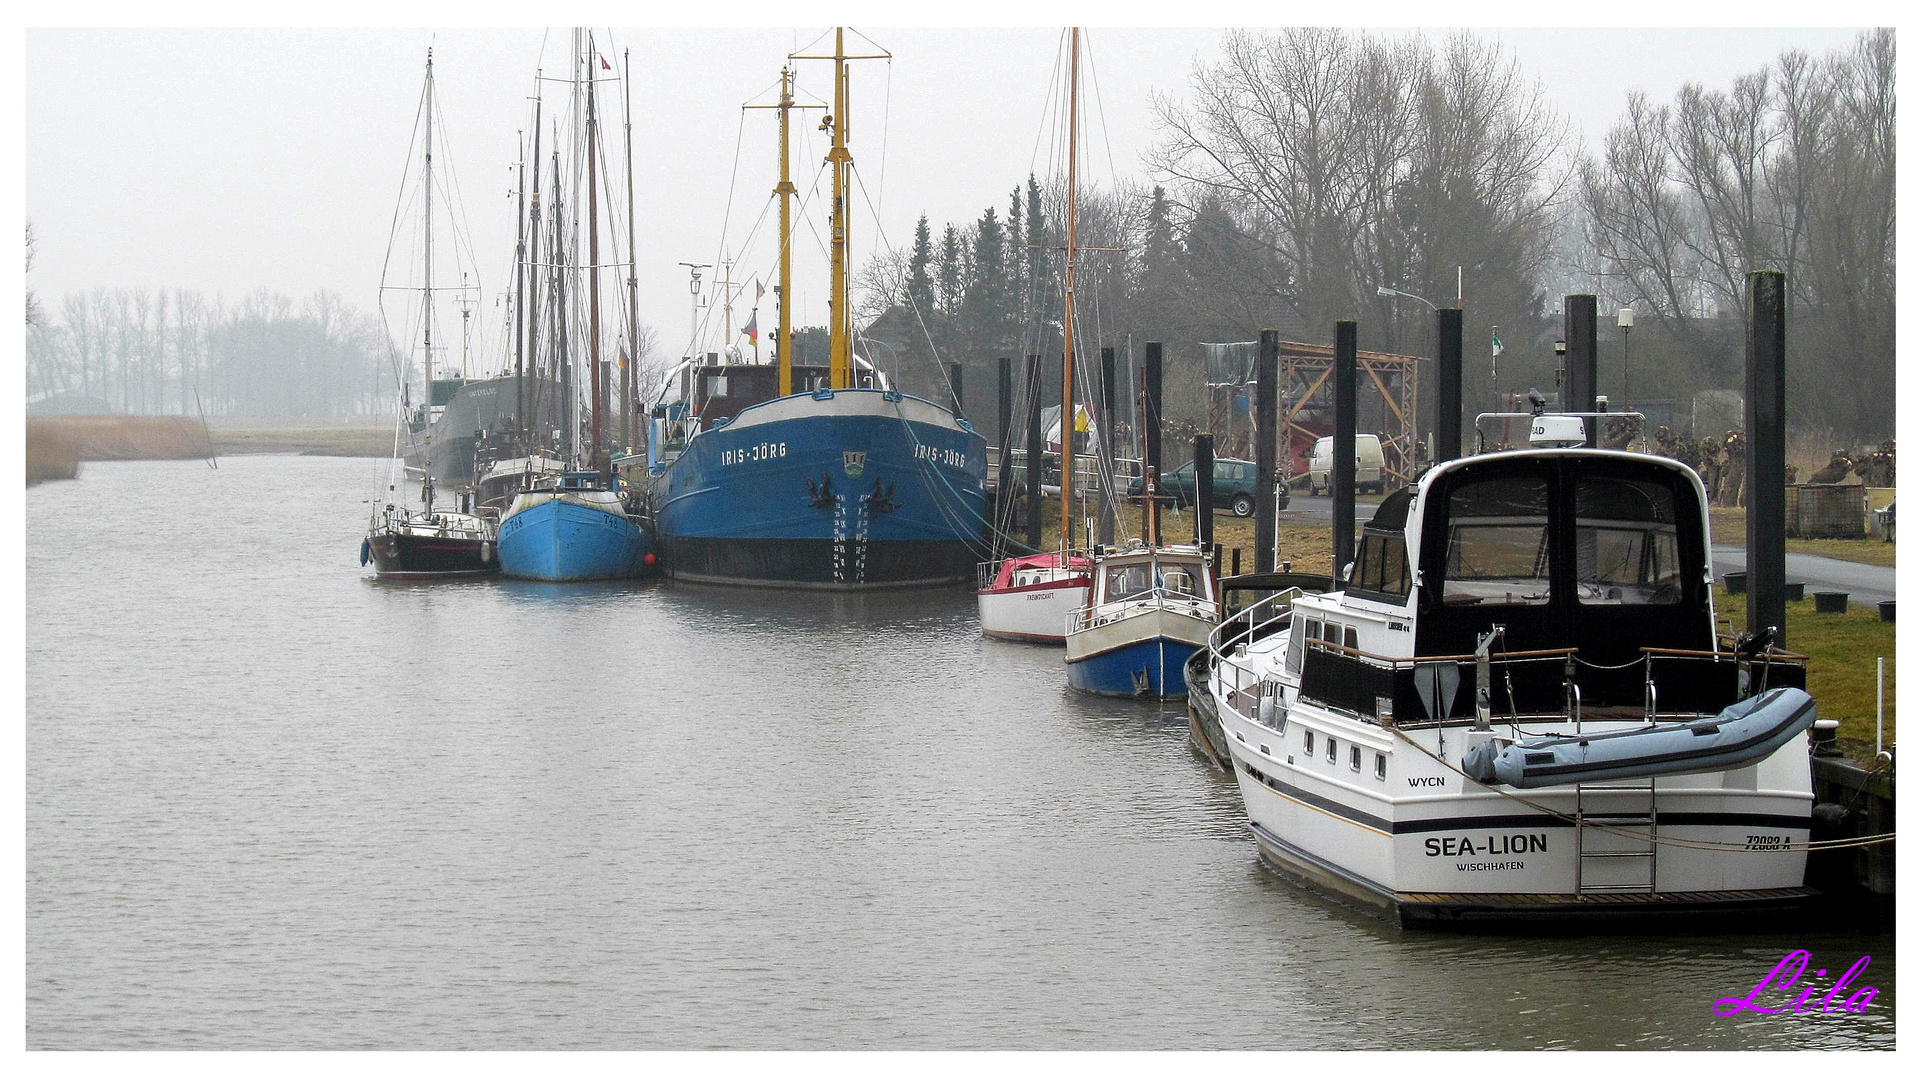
{"x": 853, "y": 461}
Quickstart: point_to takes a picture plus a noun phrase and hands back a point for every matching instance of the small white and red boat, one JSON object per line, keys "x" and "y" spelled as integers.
{"x": 1030, "y": 597}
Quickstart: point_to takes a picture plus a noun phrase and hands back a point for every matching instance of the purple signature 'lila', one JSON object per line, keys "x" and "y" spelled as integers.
{"x": 1783, "y": 977}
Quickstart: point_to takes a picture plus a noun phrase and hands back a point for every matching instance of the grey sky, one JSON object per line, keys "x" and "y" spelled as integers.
{"x": 229, "y": 160}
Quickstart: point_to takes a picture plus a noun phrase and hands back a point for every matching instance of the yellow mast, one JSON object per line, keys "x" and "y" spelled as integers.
{"x": 1067, "y": 324}
{"x": 786, "y": 191}
{"x": 840, "y": 316}
{"x": 840, "y": 325}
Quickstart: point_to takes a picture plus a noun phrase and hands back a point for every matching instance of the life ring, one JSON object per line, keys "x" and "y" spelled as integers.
{"x": 366, "y": 552}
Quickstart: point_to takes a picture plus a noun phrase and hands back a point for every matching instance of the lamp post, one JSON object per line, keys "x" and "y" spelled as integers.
{"x": 1383, "y": 290}
{"x": 1625, "y": 318}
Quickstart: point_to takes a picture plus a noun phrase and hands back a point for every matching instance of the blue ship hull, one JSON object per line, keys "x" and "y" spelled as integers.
{"x": 1158, "y": 663}
{"x": 837, "y": 490}
{"x": 561, "y": 541}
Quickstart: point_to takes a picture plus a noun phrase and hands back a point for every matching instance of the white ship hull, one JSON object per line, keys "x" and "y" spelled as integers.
{"x": 1411, "y": 835}
{"x": 1037, "y": 613}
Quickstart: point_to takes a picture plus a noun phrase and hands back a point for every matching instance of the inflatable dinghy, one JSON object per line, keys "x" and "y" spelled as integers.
{"x": 1742, "y": 734}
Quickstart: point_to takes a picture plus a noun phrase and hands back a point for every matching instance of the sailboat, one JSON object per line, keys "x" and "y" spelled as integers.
{"x": 575, "y": 526}
{"x": 792, "y": 475}
{"x": 1033, "y": 597}
{"x": 428, "y": 542}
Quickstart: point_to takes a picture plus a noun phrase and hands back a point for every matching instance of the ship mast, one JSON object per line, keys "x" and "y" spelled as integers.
{"x": 1067, "y": 323}
{"x": 593, "y": 275}
{"x": 633, "y": 302}
{"x": 840, "y": 324}
{"x": 782, "y": 348}
{"x": 520, "y": 287}
{"x": 840, "y": 318}
{"x": 427, "y": 292}
{"x": 530, "y": 423}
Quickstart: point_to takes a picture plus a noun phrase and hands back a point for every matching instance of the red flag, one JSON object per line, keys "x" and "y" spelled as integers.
{"x": 758, "y": 291}
{"x": 605, "y": 66}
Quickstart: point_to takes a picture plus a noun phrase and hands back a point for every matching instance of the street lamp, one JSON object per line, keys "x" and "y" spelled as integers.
{"x": 1625, "y": 318}
{"x": 1383, "y": 290}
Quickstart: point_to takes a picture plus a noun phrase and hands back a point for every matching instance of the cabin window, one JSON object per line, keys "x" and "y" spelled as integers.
{"x": 1497, "y": 542}
{"x": 1625, "y": 543}
{"x": 1331, "y": 751}
{"x": 716, "y": 386}
{"x": 1125, "y": 581}
{"x": 1381, "y": 566}
{"x": 1308, "y": 741}
{"x": 1381, "y": 766}
{"x": 1354, "y": 759}
{"x": 1350, "y": 638}
{"x": 1331, "y": 633}
{"x": 1303, "y": 630}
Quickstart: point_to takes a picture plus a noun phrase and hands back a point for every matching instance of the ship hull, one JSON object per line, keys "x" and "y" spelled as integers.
{"x": 555, "y": 539}
{"x": 1141, "y": 655}
{"x": 404, "y": 557}
{"x": 848, "y": 490}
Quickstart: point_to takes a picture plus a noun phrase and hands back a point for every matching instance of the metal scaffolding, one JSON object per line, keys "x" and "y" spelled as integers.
{"x": 1307, "y": 400}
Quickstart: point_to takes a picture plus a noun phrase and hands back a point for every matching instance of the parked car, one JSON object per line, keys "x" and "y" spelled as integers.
{"x": 1368, "y": 464}
{"x": 1234, "y": 487}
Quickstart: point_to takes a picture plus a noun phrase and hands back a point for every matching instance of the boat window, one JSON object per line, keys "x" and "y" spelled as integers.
{"x": 1308, "y": 740}
{"x": 1381, "y": 566}
{"x": 1497, "y": 542}
{"x": 1349, "y": 638}
{"x": 1625, "y": 543}
{"x": 1125, "y": 581}
{"x": 1354, "y": 759}
{"x": 1301, "y": 629}
{"x": 1331, "y": 751}
{"x": 716, "y": 386}
{"x": 1381, "y": 766}
{"x": 1331, "y": 633}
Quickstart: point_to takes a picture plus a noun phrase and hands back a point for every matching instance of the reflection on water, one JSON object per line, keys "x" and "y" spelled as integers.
{"x": 272, "y": 802}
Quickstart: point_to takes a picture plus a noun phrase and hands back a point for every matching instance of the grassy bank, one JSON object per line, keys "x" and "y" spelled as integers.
{"x": 327, "y": 441}
{"x": 57, "y": 444}
{"x": 1729, "y": 525}
{"x": 1310, "y": 547}
{"x": 1841, "y": 650}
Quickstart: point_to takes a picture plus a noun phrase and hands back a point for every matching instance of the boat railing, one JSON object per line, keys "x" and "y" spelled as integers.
{"x": 1092, "y": 615}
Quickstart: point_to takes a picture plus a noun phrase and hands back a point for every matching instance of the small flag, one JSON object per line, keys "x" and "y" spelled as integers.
{"x": 753, "y": 327}
{"x": 623, "y": 359}
{"x": 1495, "y": 343}
{"x": 758, "y": 291}
{"x": 605, "y": 66}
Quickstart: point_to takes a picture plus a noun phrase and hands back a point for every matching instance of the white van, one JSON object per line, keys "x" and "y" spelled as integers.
{"x": 1368, "y": 464}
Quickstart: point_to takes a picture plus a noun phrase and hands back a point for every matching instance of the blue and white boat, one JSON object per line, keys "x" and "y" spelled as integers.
{"x": 1152, "y": 609}
{"x": 576, "y": 530}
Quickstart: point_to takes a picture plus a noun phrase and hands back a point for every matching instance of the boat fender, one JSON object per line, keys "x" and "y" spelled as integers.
{"x": 366, "y": 551}
{"x": 486, "y": 551}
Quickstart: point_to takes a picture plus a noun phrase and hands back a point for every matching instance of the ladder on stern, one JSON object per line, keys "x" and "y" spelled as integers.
{"x": 1608, "y": 862}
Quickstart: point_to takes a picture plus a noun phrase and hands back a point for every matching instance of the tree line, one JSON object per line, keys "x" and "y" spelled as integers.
{"x": 1308, "y": 169}
{"x": 179, "y": 351}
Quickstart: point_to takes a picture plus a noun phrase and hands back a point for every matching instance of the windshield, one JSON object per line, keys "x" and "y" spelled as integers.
{"x": 1625, "y": 543}
{"x": 1498, "y": 543}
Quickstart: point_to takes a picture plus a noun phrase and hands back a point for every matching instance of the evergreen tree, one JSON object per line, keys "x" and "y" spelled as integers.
{"x": 920, "y": 285}
{"x": 986, "y": 305}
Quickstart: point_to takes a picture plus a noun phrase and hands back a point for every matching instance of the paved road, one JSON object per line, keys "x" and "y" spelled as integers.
{"x": 1865, "y": 584}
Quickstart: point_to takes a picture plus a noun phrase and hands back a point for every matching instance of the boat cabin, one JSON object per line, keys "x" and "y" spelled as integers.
{"x": 1142, "y": 575}
{"x": 699, "y": 396}
{"x": 1589, "y": 561}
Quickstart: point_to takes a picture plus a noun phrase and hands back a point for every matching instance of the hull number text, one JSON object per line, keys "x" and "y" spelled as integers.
{"x": 956, "y": 458}
{"x": 766, "y": 451}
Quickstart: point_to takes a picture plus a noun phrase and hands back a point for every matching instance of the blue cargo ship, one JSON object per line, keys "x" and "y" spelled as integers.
{"x": 834, "y": 489}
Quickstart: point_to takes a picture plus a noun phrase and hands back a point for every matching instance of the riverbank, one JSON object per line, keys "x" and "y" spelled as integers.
{"x": 56, "y": 445}
{"x": 356, "y": 437}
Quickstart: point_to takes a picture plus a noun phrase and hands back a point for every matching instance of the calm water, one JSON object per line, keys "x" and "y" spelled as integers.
{"x": 274, "y": 803}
